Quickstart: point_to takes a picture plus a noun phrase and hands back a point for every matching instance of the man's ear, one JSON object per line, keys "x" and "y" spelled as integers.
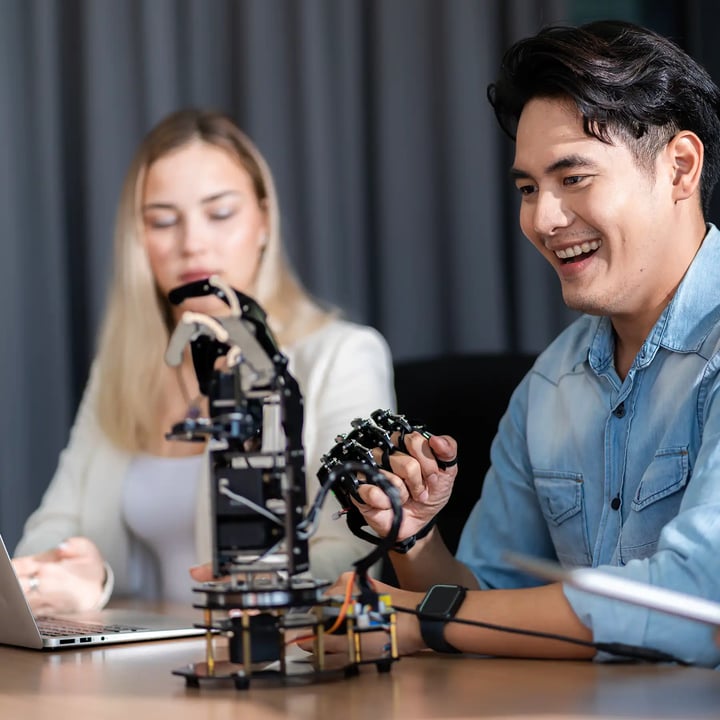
{"x": 685, "y": 153}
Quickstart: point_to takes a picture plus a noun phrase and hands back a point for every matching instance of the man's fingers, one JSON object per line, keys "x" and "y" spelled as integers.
{"x": 433, "y": 452}
{"x": 409, "y": 469}
{"x": 375, "y": 496}
{"x": 444, "y": 447}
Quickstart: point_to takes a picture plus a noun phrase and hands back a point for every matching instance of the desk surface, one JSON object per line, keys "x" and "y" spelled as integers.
{"x": 134, "y": 681}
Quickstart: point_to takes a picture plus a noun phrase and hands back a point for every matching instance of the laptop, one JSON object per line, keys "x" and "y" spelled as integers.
{"x": 19, "y": 627}
{"x": 594, "y": 580}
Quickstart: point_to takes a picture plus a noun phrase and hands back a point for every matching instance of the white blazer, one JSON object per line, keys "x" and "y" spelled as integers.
{"x": 344, "y": 371}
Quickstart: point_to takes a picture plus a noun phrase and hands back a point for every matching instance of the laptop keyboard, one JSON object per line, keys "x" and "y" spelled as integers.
{"x": 53, "y": 627}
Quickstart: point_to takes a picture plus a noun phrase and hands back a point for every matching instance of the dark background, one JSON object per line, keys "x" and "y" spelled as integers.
{"x": 392, "y": 174}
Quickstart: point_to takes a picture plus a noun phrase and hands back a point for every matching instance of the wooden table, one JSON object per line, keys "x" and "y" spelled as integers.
{"x": 134, "y": 682}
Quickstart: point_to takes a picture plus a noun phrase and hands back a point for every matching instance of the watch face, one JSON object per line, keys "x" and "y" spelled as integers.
{"x": 442, "y": 600}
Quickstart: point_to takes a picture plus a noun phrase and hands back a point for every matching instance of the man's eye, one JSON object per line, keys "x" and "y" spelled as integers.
{"x": 573, "y": 179}
{"x": 526, "y": 189}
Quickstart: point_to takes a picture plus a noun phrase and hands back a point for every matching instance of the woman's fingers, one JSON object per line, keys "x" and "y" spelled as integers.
{"x": 25, "y": 565}
{"x": 202, "y": 573}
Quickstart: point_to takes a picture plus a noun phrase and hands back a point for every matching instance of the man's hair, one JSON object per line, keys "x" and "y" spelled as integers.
{"x": 626, "y": 81}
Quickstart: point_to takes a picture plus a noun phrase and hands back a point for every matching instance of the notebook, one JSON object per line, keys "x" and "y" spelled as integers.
{"x": 19, "y": 627}
{"x": 594, "y": 580}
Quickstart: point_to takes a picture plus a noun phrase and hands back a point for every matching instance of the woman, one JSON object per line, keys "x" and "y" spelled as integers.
{"x": 121, "y": 513}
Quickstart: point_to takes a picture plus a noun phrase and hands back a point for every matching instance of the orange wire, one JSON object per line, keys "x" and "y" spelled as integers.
{"x": 300, "y": 639}
{"x": 344, "y": 606}
{"x": 341, "y": 614}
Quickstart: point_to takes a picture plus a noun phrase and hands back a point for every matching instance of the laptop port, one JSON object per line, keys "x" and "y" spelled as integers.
{"x": 85, "y": 639}
{"x": 68, "y": 641}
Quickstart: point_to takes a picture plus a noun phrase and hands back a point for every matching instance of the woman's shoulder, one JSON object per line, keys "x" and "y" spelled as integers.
{"x": 337, "y": 344}
{"x": 337, "y": 332}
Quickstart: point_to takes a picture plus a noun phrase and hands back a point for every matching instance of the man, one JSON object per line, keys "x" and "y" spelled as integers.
{"x": 609, "y": 453}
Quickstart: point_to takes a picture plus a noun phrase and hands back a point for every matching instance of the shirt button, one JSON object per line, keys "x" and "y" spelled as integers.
{"x": 615, "y": 503}
{"x": 619, "y": 411}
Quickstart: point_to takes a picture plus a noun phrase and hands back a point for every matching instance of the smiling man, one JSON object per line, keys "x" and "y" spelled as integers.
{"x": 619, "y": 233}
{"x": 609, "y": 452}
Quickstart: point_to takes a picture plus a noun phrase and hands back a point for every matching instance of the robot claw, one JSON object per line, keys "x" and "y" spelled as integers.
{"x": 264, "y": 597}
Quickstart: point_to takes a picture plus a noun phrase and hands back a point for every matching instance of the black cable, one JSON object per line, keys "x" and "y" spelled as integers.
{"x": 618, "y": 649}
{"x": 373, "y": 476}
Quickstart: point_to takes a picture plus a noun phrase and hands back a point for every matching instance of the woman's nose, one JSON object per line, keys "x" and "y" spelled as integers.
{"x": 193, "y": 237}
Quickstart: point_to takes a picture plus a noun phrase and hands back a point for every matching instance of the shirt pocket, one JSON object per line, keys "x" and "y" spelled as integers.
{"x": 655, "y": 503}
{"x": 561, "y": 498}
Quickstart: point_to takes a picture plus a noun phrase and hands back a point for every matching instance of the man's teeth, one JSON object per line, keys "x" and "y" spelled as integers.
{"x": 576, "y": 250}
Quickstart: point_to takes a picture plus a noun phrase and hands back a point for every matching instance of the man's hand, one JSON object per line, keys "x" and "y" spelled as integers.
{"x": 68, "y": 578}
{"x": 424, "y": 486}
{"x": 408, "y": 628}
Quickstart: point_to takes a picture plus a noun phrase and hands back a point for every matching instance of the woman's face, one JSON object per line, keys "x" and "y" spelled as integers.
{"x": 201, "y": 217}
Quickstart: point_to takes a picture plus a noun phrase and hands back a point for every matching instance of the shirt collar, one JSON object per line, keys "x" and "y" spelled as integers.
{"x": 693, "y": 310}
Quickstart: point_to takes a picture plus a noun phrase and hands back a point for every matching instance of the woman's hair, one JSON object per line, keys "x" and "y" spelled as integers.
{"x": 626, "y": 81}
{"x": 138, "y": 320}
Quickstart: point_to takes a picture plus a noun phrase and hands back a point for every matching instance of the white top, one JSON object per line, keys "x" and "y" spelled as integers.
{"x": 344, "y": 371}
{"x": 158, "y": 504}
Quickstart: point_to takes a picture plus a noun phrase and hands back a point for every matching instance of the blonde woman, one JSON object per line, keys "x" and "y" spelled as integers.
{"x": 125, "y": 513}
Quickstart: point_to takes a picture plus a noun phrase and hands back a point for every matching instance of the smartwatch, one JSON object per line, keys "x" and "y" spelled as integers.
{"x": 439, "y": 605}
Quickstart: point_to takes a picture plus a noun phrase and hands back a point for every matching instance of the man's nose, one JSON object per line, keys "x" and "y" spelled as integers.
{"x": 550, "y": 214}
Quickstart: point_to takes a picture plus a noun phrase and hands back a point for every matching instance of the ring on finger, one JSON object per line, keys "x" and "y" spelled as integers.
{"x": 33, "y": 583}
{"x": 445, "y": 464}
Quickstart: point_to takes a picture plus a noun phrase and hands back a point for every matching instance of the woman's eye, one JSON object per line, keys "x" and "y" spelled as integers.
{"x": 222, "y": 213}
{"x": 159, "y": 222}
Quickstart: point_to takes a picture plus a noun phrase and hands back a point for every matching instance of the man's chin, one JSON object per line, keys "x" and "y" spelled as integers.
{"x": 584, "y": 304}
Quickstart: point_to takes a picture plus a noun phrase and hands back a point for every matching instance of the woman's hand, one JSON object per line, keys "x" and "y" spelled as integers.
{"x": 202, "y": 573}
{"x": 68, "y": 578}
{"x": 424, "y": 485}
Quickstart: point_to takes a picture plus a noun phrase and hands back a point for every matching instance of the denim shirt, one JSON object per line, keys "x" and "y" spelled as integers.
{"x": 594, "y": 471}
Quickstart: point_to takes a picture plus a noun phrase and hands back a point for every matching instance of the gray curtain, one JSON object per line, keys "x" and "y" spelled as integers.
{"x": 391, "y": 171}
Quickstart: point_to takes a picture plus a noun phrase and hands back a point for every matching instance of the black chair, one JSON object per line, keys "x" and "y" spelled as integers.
{"x": 463, "y": 396}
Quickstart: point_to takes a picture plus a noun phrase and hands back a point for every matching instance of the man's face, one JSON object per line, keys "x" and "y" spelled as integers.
{"x": 603, "y": 223}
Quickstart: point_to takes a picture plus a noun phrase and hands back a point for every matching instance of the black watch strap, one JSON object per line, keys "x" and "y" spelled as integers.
{"x": 433, "y": 635}
{"x": 404, "y": 546}
{"x": 439, "y": 605}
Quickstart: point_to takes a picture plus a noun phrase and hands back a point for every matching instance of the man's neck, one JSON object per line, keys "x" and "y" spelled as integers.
{"x": 631, "y": 330}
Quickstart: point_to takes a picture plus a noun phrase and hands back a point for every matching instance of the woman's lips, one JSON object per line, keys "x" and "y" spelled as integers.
{"x": 189, "y": 277}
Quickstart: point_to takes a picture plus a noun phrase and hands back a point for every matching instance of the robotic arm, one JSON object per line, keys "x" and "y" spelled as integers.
{"x": 260, "y": 532}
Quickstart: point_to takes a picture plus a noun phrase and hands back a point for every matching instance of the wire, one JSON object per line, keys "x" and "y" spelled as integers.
{"x": 229, "y": 294}
{"x": 224, "y": 490}
{"x": 341, "y": 613}
{"x": 199, "y": 319}
{"x": 619, "y": 649}
{"x": 344, "y": 606}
